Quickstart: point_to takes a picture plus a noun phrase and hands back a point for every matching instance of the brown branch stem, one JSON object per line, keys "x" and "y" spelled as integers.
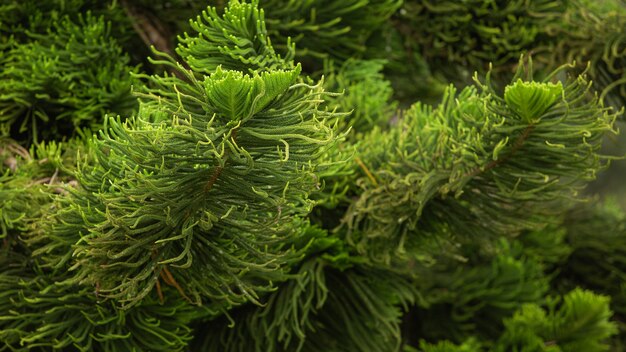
{"x": 219, "y": 169}
{"x": 519, "y": 142}
{"x": 149, "y": 28}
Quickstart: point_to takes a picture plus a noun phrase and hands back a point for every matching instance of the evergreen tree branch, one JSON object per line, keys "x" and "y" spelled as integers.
{"x": 464, "y": 148}
{"x": 203, "y": 189}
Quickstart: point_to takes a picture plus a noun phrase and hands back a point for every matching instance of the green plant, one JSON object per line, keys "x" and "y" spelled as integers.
{"x": 296, "y": 176}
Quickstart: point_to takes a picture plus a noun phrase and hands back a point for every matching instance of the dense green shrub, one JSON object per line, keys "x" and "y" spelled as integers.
{"x": 277, "y": 175}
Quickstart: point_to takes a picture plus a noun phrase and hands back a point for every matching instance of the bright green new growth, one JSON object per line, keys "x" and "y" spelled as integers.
{"x": 470, "y": 345}
{"x": 530, "y": 100}
{"x": 239, "y": 96}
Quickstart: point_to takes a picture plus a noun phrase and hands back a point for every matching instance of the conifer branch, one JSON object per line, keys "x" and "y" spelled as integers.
{"x": 227, "y": 243}
{"x": 462, "y": 148}
{"x": 249, "y": 202}
{"x": 519, "y": 142}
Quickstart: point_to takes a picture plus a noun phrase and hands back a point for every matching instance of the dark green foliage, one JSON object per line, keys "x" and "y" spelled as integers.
{"x": 456, "y": 38}
{"x": 548, "y": 246}
{"x": 50, "y": 85}
{"x": 17, "y": 202}
{"x": 152, "y": 26}
{"x": 478, "y": 296}
{"x": 475, "y": 32}
{"x": 577, "y": 322}
{"x": 576, "y": 38}
{"x": 327, "y": 28}
{"x": 18, "y": 19}
{"x": 321, "y": 309}
{"x": 366, "y": 94}
{"x": 44, "y": 313}
{"x": 302, "y": 176}
{"x": 409, "y": 73}
{"x": 27, "y": 180}
{"x": 597, "y": 235}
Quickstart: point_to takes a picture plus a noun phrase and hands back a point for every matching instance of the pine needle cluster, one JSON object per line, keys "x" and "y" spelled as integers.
{"x": 277, "y": 175}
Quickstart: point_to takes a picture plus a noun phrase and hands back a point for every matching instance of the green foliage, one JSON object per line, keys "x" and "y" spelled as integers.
{"x": 478, "y": 296}
{"x": 50, "y": 85}
{"x": 408, "y": 71}
{"x": 344, "y": 196}
{"x": 531, "y": 100}
{"x": 456, "y": 37}
{"x": 596, "y": 233}
{"x": 326, "y": 28}
{"x": 476, "y": 165}
{"x": 547, "y": 246}
{"x": 32, "y": 16}
{"x": 204, "y": 188}
{"x": 42, "y": 313}
{"x": 604, "y": 52}
{"x": 367, "y": 94}
{"x": 235, "y": 41}
{"x": 447, "y": 346}
{"x": 476, "y": 32}
{"x": 27, "y": 180}
{"x": 578, "y": 323}
{"x": 321, "y": 309}
{"x": 167, "y": 17}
